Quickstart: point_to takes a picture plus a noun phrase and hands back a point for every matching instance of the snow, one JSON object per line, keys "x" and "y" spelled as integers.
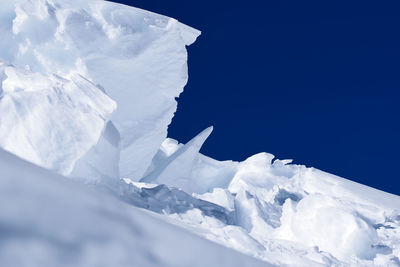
{"x": 139, "y": 58}
{"x": 335, "y": 227}
{"x": 342, "y": 220}
{"x": 88, "y": 176}
{"x": 289, "y": 214}
{"x": 202, "y": 173}
{"x": 175, "y": 170}
{"x": 51, "y": 121}
{"x": 76, "y": 226}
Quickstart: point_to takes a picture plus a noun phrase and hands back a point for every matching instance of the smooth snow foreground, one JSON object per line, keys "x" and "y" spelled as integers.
{"x": 87, "y": 91}
{"x": 46, "y": 220}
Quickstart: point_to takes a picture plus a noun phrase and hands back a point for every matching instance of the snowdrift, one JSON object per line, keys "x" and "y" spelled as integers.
{"x": 47, "y": 220}
{"x": 136, "y": 57}
{"x": 88, "y": 176}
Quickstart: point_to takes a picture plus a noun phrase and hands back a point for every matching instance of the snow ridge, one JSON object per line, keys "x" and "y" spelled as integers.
{"x": 87, "y": 91}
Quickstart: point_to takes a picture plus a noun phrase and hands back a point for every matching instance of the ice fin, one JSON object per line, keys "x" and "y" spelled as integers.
{"x": 176, "y": 170}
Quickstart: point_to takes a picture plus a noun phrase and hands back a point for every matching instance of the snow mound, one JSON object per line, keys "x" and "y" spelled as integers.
{"x": 336, "y": 228}
{"x": 288, "y": 214}
{"x": 76, "y": 226}
{"x": 137, "y": 56}
{"x": 87, "y": 90}
{"x": 51, "y": 121}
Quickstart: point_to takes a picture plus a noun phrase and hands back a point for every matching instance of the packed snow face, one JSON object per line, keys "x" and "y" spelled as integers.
{"x": 138, "y": 57}
{"x": 49, "y": 120}
{"x": 87, "y": 90}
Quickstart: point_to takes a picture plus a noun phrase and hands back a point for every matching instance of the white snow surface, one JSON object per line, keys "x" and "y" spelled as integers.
{"x": 49, "y": 120}
{"x": 138, "y": 57}
{"x": 88, "y": 177}
{"x": 47, "y": 220}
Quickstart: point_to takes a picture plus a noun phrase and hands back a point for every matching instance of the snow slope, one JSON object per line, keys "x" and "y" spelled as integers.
{"x": 76, "y": 226}
{"x": 87, "y": 90}
{"x": 289, "y": 214}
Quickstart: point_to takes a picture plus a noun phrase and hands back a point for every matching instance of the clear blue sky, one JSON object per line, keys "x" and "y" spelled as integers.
{"x": 314, "y": 81}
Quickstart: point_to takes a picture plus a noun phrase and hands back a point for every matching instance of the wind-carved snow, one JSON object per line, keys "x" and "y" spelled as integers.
{"x": 87, "y": 90}
{"x": 49, "y": 120}
{"x": 290, "y": 214}
{"x": 176, "y": 169}
{"x": 137, "y": 56}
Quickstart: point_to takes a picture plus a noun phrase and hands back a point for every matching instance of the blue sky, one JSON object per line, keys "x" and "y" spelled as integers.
{"x": 314, "y": 81}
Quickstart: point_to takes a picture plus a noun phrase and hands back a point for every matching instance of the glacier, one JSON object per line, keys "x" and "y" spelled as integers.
{"x": 89, "y": 177}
